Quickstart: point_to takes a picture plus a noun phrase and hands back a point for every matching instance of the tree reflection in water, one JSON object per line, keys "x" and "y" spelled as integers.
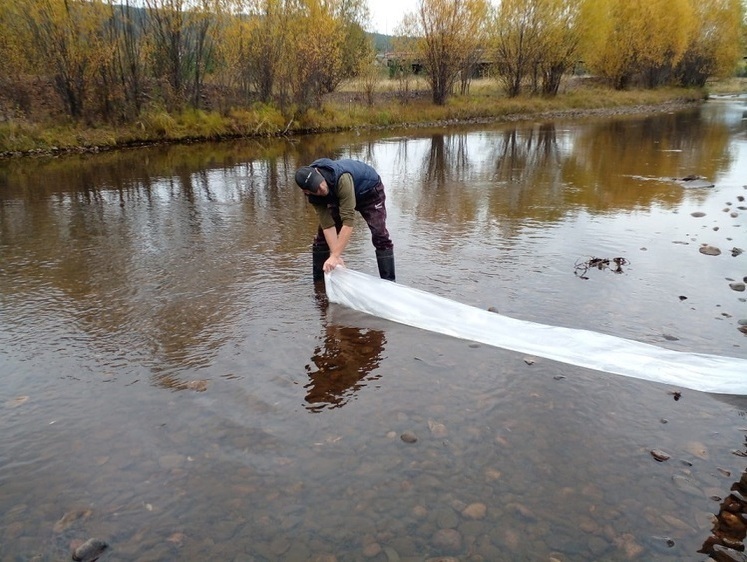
{"x": 342, "y": 364}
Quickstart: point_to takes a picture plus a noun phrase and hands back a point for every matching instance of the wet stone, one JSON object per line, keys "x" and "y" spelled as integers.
{"x": 408, "y": 437}
{"x": 90, "y": 550}
{"x": 662, "y": 544}
{"x": 739, "y": 287}
{"x": 659, "y": 455}
{"x": 522, "y": 510}
{"x": 686, "y": 485}
{"x": 371, "y": 550}
{"x": 447, "y": 518}
{"x": 448, "y": 540}
{"x": 709, "y": 250}
{"x": 598, "y": 546}
{"x": 170, "y": 461}
{"x": 475, "y": 511}
{"x": 725, "y": 554}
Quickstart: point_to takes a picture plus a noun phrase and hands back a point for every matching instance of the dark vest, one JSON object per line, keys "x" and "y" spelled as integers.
{"x": 365, "y": 178}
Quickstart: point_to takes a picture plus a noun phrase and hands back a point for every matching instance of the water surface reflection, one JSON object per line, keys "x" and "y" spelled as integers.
{"x": 342, "y": 363}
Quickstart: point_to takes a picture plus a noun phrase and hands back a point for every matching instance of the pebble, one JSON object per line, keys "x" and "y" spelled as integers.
{"x": 408, "y": 437}
{"x": 723, "y": 553}
{"x": 90, "y": 550}
{"x": 475, "y": 511}
{"x": 448, "y": 540}
{"x": 709, "y": 250}
{"x": 660, "y": 455}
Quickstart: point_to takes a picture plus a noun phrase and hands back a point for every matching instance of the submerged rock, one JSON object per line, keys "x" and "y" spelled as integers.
{"x": 408, "y": 437}
{"x": 90, "y": 550}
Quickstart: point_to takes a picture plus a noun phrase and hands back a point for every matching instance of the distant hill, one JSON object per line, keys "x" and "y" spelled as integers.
{"x": 382, "y": 43}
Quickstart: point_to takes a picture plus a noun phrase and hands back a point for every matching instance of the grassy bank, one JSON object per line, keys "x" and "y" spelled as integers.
{"x": 343, "y": 110}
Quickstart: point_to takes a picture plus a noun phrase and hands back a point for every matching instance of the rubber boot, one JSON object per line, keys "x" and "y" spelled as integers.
{"x": 318, "y": 257}
{"x": 385, "y": 260}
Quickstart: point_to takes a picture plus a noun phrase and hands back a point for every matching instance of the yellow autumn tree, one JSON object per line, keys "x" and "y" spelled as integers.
{"x": 357, "y": 51}
{"x": 563, "y": 28}
{"x": 124, "y": 71}
{"x": 315, "y": 52}
{"x": 717, "y": 41}
{"x": 266, "y": 44}
{"x": 65, "y": 40}
{"x": 448, "y": 33}
{"x": 665, "y": 38}
{"x": 182, "y": 38}
{"x": 638, "y": 40}
{"x": 14, "y": 57}
{"x": 517, "y": 41}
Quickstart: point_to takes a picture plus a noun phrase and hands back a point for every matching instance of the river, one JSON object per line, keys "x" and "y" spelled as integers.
{"x": 175, "y": 385}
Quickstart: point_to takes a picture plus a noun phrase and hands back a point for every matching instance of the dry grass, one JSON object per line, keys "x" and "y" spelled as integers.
{"x": 345, "y": 109}
{"x": 736, "y": 85}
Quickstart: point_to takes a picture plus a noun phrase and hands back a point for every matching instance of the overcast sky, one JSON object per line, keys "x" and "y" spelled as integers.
{"x": 387, "y": 14}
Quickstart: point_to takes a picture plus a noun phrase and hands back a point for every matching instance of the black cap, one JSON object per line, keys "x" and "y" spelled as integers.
{"x": 309, "y": 178}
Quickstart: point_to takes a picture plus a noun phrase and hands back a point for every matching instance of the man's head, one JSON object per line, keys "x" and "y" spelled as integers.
{"x": 309, "y": 179}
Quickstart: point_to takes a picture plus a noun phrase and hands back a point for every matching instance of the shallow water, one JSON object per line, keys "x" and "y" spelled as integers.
{"x": 172, "y": 382}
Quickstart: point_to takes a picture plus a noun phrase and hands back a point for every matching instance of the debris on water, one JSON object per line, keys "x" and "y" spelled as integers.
{"x": 90, "y": 550}
{"x": 682, "y": 297}
{"x": 736, "y": 251}
{"x": 17, "y": 401}
{"x": 694, "y": 181}
{"x": 613, "y": 264}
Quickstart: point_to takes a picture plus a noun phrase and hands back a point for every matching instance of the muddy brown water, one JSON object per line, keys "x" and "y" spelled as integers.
{"x": 174, "y": 385}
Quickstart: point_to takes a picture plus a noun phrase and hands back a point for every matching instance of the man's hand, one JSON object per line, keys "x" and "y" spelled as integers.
{"x": 332, "y": 262}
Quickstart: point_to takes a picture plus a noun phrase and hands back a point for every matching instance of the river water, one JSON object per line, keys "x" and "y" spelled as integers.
{"x": 174, "y": 384}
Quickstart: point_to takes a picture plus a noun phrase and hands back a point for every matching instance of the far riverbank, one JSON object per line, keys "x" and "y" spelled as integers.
{"x": 345, "y": 110}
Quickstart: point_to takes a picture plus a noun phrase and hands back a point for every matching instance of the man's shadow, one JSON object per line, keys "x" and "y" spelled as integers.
{"x": 342, "y": 363}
